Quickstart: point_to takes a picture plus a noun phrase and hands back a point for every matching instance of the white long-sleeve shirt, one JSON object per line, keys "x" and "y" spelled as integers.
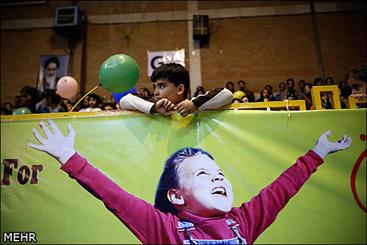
{"x": 212, "y": 99}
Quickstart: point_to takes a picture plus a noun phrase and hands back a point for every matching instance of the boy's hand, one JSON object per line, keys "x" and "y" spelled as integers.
{"x": 186, "y": 107}
{"x": 164, "y": 107}
{"x": 56, "y": 144}
{"x": 324, "y": 147}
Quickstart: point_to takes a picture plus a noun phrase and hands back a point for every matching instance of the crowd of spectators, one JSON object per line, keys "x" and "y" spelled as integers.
{"x": 48, "y": 101}
{"x": 354, "y": 84}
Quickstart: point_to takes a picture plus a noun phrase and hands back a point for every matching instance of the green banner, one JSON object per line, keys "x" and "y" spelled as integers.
{"x": 252, "y": 147}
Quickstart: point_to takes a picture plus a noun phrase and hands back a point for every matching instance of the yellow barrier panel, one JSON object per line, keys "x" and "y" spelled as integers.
{"x": 333, "y": 90}
{"x": 354, "y": 101}
{"x": 290, "y": 104}
{"x": 67, "y": 115}
{"x": 286, "y": 104}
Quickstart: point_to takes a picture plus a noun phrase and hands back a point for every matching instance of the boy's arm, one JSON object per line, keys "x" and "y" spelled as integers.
{"x": 263, "y": 209}
{"x": 213, "y": 99}
{"x": 147, "y": 105}
{"x": 141, "y": 218}
{"x": 133, "y": 102}
{"x": 147, "y": 223}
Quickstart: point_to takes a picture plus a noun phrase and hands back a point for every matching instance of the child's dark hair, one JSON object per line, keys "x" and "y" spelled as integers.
{"x": 174, "y": 73}
{"x": 97, "y": 98}
{"x": 169, "y": 178}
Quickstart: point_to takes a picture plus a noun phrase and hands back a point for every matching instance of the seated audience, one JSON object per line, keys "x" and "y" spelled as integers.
{"x": 301, "y": 88}
{"x": 7, "y": 108}
{"x": 318, "y": 81}
{"x": 265, "y": 96}
{"x": 94, "y": 102}
{"x": 344, "y": 92}
{"x": 249, "y": 94}
{"x": 291, "y": 92}
{"x": 357, "y": 77}
{"x": 329, "y": 81}
{"x": 306, "y": 96}
{"x": 51, "y": 102}
{"x": 230, "y": 86}
{"x": 282, "y": 95}
{"x": 28, "y": 98}
{"x": 270, "y": 89}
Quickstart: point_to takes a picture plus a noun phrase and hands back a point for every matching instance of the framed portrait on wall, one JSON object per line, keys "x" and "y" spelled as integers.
{"x": 51, "y": 69}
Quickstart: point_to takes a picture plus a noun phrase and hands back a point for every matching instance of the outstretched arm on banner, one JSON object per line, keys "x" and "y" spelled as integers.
{"x": 323, "y": 146}
{"x": 56, "y": 144}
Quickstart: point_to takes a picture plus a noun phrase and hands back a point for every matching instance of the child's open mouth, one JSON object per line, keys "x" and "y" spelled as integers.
{"x": 219, "y": 191}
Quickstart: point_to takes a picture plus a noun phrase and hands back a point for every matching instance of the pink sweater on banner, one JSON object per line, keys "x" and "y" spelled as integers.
{"x": 151, "y": 226}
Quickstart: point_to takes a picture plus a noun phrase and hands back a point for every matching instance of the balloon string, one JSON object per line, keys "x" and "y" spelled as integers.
{"x": 84, "y": 97}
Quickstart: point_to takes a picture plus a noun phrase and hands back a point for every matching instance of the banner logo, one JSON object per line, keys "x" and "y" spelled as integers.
{"x": 353, "y": 176}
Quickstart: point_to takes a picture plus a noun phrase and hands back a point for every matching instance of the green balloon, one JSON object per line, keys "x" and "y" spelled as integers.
{"x": 22, "y": 110}
{"x": 119, "y": 73}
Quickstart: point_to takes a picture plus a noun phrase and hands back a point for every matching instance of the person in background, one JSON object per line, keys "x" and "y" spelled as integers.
{"x": 239, "y": 97}
{"x": 249, "y": 94}
{"x": 265, "y": 96}
{"x": 7, "y": 108}
{"x": 291, "y": 92}
{"x": 282, "y": 95}
{"x": 301, "y": 88}
{"x": 318, "y": 81}
{"x": 84, "y": 104}
{"x": 51, "y": 102}
{"x": 270, "y": 89}
{"x": 199, "y": 90}
{"x": 67, "y": 104}
{"x": 357, "y": 77}
{"x": 326, "y": 97}
{"x": 28, "y": 98}
{"x": 94, "y": 102}
{"x": 109, "y": 106}
{"x": 306, "y": 96}
{"x": 230, "y": 86}
{"x": 344, "y": 92}
{"x": 329, "y": 81}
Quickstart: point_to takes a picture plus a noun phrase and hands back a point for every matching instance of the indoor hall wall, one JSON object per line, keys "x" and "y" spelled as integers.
{"x": 20, "y": 53}
{"x": 259, "y": 50}
{"x": 343, "y": 42}
{"x": 96, "y": 7}
{"x": 268, "y": 50}
{"x": 134, "y": 40}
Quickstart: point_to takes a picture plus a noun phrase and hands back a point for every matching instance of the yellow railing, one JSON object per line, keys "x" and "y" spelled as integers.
{"x": 333, "y": 90}
{"x": 276, "y": 105}
{"x": 353, "y": 101}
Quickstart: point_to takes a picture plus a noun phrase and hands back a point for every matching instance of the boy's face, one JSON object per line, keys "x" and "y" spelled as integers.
{"x": 202, "y": 184}
{"x": 164, "y": 89}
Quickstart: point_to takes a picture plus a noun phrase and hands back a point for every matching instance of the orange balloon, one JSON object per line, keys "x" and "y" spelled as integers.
{"x": 67, "y": 87}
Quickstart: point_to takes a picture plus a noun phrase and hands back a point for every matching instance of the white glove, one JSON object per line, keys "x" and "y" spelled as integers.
{"x": 324, "y": 146}
{"x": 56, "y": 144}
